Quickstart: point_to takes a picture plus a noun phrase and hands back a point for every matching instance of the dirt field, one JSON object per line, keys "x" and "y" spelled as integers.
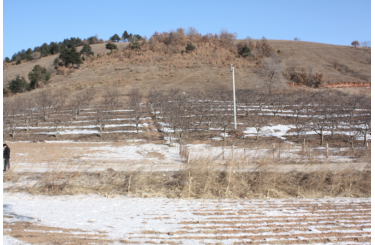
{"x": 119, "y": 220}
{"x": 139, "y": 155}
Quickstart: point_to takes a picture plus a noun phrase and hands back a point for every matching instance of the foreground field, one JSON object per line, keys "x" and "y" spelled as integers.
{"x": 140, "y": 155}
{"x": 96, "y": 219}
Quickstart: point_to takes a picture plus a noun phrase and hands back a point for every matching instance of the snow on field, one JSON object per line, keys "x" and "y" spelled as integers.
{"x": 132, "y": 155}
{"x": 273, "y": 130}
{"x": 139, "y": 220}
{"x": 134, "y": 152}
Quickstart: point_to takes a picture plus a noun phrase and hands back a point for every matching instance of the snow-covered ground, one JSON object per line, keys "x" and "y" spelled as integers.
{"x": 139, "y": 220}
{"x": 139, "y": 155}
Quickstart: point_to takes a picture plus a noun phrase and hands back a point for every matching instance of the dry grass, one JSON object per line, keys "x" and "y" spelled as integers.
{"x": 208, "y": 65}
{"x": 204, "y": 178}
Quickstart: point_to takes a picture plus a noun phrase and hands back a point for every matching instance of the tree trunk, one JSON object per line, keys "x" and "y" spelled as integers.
{"x": 321, "y": 137}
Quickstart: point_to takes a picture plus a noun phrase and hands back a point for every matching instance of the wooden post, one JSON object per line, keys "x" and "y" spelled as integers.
{"x": 303, "y": 150}
{"x": 189, "y": 156}
{"x": 279, "y": 152}
{"x": 232, "y": 152}
{"x": 327, "y": 151}
{"x": 273, "y": 152}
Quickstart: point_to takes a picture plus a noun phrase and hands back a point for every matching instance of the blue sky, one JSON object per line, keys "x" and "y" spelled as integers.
{"x": 27, "y": 24}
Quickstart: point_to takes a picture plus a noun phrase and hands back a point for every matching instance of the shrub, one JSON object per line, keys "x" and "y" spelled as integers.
{"x": 18, "y": 62}
{"x": 38, "y": 74}
{"x": 245, "y": 51}
{"x": 355, "y": 44}
{"x": 7, "y": 60}
{"x": 111, "y": 46}
{"x": 86, "y": 50}
{"x": 70, "y": 56}
{"x": 29, "y": 57}
{"x": 56, "y": 61}
{"x": 5, "y": 92}
{"x": 190, "y": 47}
{"x": 134, "y": 45}
{"x": 18, "y": 85}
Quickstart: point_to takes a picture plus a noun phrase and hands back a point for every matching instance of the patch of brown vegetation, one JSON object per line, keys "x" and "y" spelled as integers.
{"x": 162, "y": 61}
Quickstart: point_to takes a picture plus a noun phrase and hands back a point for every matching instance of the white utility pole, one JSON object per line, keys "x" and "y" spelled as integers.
{"x": 234, "y": 97}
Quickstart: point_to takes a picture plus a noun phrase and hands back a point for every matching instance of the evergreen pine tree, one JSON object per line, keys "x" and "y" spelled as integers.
{"x": 18, "y": 85}
{"x": 245, "y": 51}
{"x": 125, "y": 36}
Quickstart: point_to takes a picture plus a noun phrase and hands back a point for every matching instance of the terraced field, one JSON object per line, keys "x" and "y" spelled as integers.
{"x": 119, "y": 220}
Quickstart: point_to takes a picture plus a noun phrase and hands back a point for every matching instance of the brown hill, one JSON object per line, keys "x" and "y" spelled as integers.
{"x": 163, "y": 65}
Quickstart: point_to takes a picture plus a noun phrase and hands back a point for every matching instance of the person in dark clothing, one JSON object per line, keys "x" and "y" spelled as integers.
{"x": 6, "y": 156}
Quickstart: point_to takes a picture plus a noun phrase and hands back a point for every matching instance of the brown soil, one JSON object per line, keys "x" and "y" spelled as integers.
{"x": 35, "y": 233}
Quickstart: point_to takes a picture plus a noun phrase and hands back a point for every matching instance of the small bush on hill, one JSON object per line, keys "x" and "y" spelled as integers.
{"x": 70, "y": 56}
{"x": 111, "y": 46}
{"x": 355, "y": 43}
{"x": 18, "y": 85}
{"x": 190, "y": 47}
{"x": 86, "y": 50}
{"x": 245, "y": 51}
{"x": 38, "y": 74}
{"x": 18, "y": 62}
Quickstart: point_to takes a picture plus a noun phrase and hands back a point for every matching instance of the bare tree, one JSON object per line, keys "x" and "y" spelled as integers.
{"x": 224, "y": 118}
{"x": 271, "y": 71}
{"x": 11, "y": 109}
{"x": 259, "y": 120}
{"x": 276, "y": 104}
{"x": 366, "y": 45}
{"x": 101, "y": 117}
{"x": 299, "y": 122}
{"x": 320, "y": 121}
{"x": 111, "y": 98}
{"x": 363, "y": 126}
{"x": 82, "y": 100}
{"x": 135, "y": 98}
{"x": 192, "y": 32}
{"x": 45, "y": 103}
{"x": 61, "y": 97}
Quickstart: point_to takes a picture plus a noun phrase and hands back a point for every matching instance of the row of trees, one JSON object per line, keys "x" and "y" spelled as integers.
{"x": 126, "y": 37}
{"x": 344, "y": 116}
{"x": 52, "y": 48}
{"x": 318, "y": 112}
{"x": 45, "y": 50}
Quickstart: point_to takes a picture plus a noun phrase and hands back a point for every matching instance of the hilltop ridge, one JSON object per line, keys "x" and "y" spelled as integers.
{"x": 157, "y": 64}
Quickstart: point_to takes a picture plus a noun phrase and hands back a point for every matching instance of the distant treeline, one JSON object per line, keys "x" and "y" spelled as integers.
{"x": 55, "y": 48}
{"x": 50, "y": 49}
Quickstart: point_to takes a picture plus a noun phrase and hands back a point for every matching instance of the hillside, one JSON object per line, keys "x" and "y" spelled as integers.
{"x": 208, "y": 65}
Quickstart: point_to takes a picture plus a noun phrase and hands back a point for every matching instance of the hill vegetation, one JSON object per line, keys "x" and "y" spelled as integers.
{"x": 189, "y": 59}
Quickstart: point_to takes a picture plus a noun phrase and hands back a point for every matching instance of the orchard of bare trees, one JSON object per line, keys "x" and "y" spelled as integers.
{"x": 186, "y": 115}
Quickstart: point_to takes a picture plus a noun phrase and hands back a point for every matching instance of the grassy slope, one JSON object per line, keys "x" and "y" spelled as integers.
{"x": 119, "y": 71}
